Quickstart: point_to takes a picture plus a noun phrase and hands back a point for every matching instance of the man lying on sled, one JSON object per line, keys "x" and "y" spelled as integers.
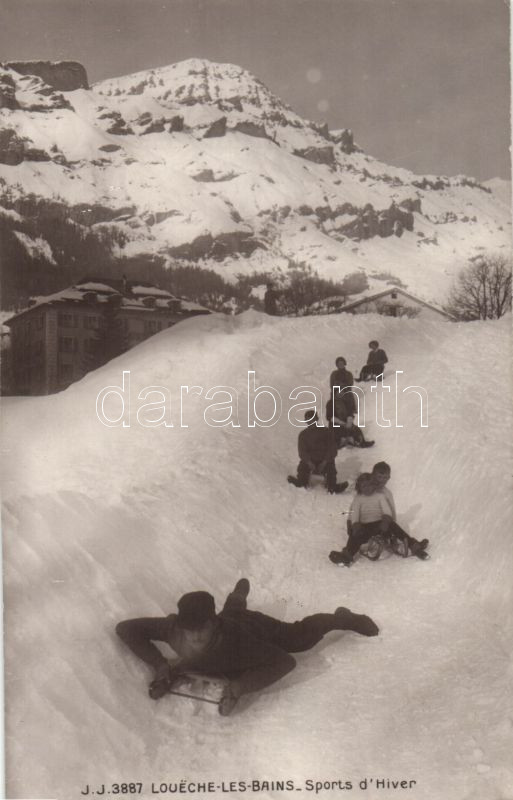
{"x": 248, "y": 648}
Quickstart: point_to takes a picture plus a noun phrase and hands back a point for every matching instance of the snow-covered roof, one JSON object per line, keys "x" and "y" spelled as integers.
{"x": 72, "y": 294}
{"x": 367, "y": 296}
{"x": 132, "y": 300}
{"x": 91, "y": 286}
{"x": 188, "y": 305}
{"x": 151, "y": 291}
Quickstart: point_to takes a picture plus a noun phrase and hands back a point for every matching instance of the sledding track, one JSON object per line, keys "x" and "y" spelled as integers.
{"x": 102, "y": 524}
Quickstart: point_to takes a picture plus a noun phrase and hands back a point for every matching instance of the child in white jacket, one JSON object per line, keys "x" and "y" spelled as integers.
{"x": 373, "y": 512}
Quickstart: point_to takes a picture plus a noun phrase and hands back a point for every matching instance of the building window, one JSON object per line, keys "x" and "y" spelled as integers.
{"x": 91, "y": 323}
{"x": 394, "y": 295}
{"x": 89, "y": 345}
{"x": 150, "y": 326}
{"x": 67, "y": 320}
{"x": 67, "y": 344}
{"x": 40, "y": 321}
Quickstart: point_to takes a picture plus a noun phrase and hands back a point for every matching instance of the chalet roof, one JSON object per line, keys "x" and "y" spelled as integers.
{"x": 397, "y": 290}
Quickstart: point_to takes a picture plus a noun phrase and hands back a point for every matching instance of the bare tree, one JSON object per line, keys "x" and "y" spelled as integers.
{"x": 482, "y": 290}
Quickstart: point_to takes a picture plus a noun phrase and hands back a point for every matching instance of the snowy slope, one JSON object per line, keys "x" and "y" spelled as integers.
{"x": 201, "y": 162}
{"x": 103, "y": 524}
{"x": 501, "y": 189}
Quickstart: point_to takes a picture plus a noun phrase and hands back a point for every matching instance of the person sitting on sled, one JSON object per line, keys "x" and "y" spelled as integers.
{"x": 317, "y": 449}
{"x": 381, "y": 473}
{"x": 248, "y": 648}
{"x": 370, "y": 515}
{"x": 376, "y": 361}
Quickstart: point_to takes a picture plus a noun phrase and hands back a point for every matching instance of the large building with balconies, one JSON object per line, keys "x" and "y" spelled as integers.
{"x": 55, "y": 340}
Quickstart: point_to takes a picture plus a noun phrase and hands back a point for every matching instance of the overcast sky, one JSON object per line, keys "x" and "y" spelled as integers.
{"x": 423, "y": 83}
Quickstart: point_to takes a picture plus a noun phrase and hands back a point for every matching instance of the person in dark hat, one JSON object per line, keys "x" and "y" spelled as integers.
{"x": 248, "y": 648}
{"x": 317, "y": 449}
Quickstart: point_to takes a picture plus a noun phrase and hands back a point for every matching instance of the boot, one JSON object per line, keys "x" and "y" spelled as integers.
{"x": 339, "y": 488}
{"x": 419, "y": 549}
{"x": 295, "y": 482}
{"x": 159, "y": 688}
{"x": 242, "y": 588}
{"x": 360, "y": 623}
{"x": 228, "y": 701}
{"x": 339, "y": 557}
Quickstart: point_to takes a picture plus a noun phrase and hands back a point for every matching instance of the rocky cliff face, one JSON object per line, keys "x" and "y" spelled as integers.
{"x": 65, "y": 76}
{"x": 7, "y": 92}
{"x": 200, "y": 163}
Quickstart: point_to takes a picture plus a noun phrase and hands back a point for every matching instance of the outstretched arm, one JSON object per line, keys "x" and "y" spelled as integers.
{"x": 139, "y": 635}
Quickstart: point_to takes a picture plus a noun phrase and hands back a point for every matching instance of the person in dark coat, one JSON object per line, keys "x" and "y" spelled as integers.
{"x": 341, "y": 421}
{"x": 343, "y": 379}
{"x": 376, "y": 361}
{"x": 251, "y": 649}
{"x": 317, "y": 449}
{"x": 271, "y": 300}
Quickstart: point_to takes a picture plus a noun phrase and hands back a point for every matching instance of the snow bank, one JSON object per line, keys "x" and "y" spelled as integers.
{"x": 102, "y": 524}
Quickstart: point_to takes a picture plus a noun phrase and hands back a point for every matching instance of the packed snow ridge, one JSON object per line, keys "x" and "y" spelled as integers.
{"x": 103, "y": 524}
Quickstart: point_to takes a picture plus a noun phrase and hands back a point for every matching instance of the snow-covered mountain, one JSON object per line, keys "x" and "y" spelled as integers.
{"x": 200, "y": 163}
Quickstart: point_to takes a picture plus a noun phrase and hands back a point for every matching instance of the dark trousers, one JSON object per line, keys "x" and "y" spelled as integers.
{"x": 371, "y": 371}
{"x": 362, "y": 532}
{"x": 293, "y": 637}
{"x": 329, "y": 472}
{"x": 341, "y": 433}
